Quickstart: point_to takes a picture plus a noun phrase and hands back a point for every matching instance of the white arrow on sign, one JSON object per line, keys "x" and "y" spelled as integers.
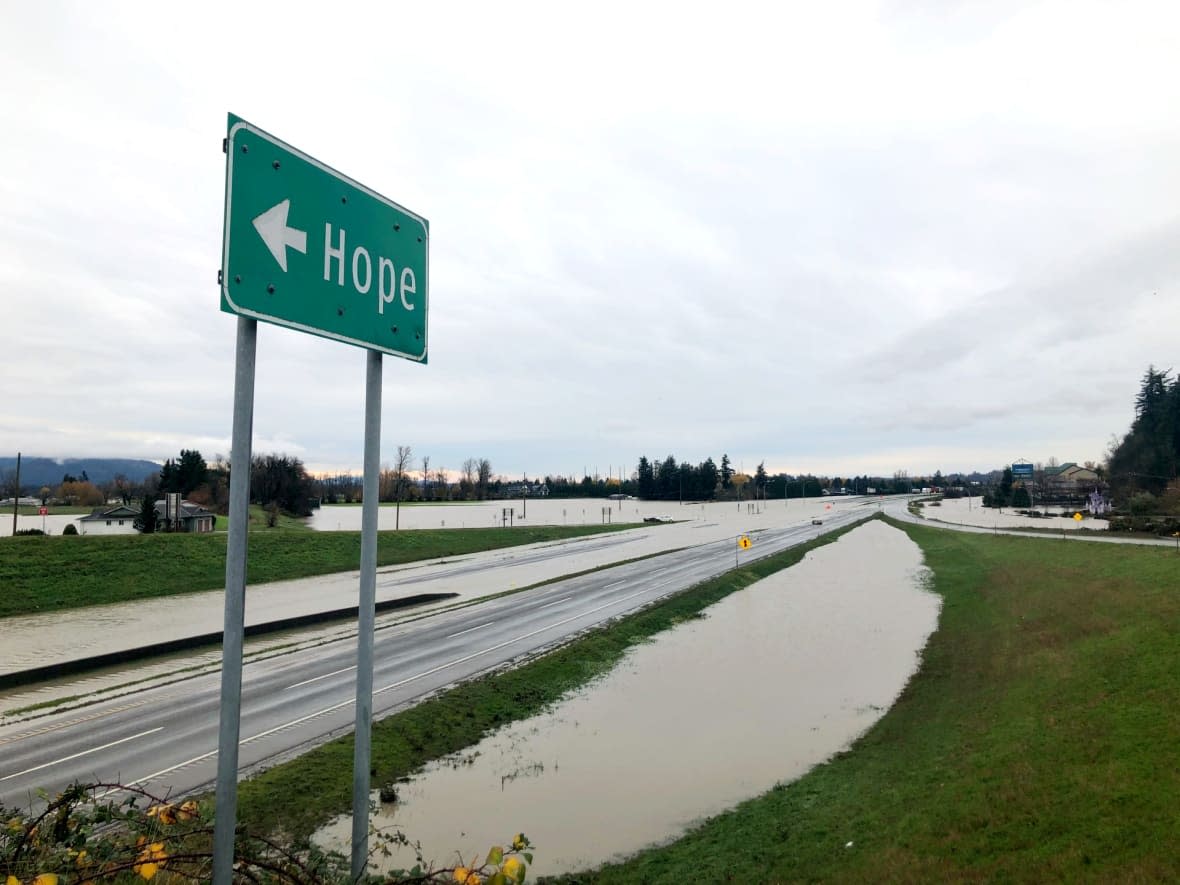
{"x": 272, "y": 227}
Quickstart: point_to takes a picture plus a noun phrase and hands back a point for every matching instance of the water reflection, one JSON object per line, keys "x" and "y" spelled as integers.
{"x": 768, "y": 683}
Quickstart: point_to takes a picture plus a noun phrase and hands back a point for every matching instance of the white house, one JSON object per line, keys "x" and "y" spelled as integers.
{"x": 109, "y": 521}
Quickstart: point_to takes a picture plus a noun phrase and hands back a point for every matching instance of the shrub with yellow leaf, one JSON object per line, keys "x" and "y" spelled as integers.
{"x": 84, "y": 835}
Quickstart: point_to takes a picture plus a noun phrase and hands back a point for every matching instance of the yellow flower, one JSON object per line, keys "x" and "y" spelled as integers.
{"x": 465, "y": 876}
{"x": 519, "y": 842}
{"x": 188, "y": 810}
{"x": 514, "y": 869}
{"x": 46, "y": 879}
{"x": 12, "y": 880}
{"x": 147, "y": 870}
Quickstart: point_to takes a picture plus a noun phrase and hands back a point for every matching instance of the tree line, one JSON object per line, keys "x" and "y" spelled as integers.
{"x": 1142, "y": 467}
{"x": 708, "y": 480}
{"x": 278, "y": 482}
{"x": 405, "y": 479}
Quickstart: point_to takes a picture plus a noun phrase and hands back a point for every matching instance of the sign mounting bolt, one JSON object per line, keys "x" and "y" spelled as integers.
{"x": 270, "y": 288}
{"x": 275, "y": 164}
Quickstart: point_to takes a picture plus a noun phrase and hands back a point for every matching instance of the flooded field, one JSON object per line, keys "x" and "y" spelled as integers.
{"x": 570, "y": 511}
{"x": 768, "y": 683}
{"x": 54, "y": 524}
{"x": 970, "y": 511}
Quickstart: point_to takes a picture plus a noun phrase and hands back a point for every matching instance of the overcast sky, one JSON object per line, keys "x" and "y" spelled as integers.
{"x": 839, "y": 238}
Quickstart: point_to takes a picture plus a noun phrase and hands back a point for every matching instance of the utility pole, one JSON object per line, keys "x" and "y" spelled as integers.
{"x": 16, "y": 495}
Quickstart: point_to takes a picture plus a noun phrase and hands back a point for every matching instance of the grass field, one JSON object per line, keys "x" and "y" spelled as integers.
{"x": 1040, "y": 740}
{"x": 258, "y": 518}
{"x": 41, "y": 574}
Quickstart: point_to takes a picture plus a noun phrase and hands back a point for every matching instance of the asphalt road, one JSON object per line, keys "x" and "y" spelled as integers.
{"x": 165, "y": 738}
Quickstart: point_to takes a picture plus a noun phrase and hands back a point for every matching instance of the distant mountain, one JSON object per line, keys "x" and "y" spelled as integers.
{"x": 37, "y": 472}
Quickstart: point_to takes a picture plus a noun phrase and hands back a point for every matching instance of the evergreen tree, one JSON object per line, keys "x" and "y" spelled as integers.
{"x": 1147, "y": 457}
{"x": 668, "y": 479}
{"x": 707, "y": 478}
{"x": 689, "y": 481}
{"x": 1004, "y": 497}
{"x": 191, "y": 472}
{"x": 146, "y": 521}
{"x": 645, "y": 479}
{"x": 169, "y": 477}
{"x": 726, "y": 472}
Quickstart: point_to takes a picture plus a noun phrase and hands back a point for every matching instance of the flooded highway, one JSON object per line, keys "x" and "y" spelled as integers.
{"x": 767, "y": 683}
{"x": 38, "y": 639}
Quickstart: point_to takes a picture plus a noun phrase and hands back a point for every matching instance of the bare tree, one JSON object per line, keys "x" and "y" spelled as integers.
{"x": 8, "y": 484}
{"x": 442, "y": 483}
{"x": 401, "y": 467}
{"x": 386, "y": 483}
{"x": 485, "y": 477}
{"x": 426, "y": 477}
{"x": 467, "y": 482}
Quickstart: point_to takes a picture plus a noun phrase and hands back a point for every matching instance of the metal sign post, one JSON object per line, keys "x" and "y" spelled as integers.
{"x": 235, "y": 605}
{"x": 366, "y": 617}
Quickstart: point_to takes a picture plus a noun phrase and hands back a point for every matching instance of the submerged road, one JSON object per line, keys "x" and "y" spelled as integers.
{"x": 164, "y": 739}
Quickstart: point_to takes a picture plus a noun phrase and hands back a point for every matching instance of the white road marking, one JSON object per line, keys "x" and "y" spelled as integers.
{"x": 83, "y": 753}
{"x": 470, "y": 630}
{"x": 204, "y": 756}
{"x": 614, "y": 585}
{"x": 71, "y": 723}
{"x": 298, "y": 721}
{"x": 318, "y": 678}
{"x": 556, "y": 601}
{"x": 149, "y": 777}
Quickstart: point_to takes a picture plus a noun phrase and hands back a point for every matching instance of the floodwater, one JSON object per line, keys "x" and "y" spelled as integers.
{"x": 768, "y": 683}
{"x": 569, "y": 511}
{"x": 486, "y": 514}
{"x": 970, "y": 511}
{"x": 53, "y": 524}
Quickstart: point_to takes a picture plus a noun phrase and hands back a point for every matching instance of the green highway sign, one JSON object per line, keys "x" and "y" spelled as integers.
{"x": 308, "y": 248}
